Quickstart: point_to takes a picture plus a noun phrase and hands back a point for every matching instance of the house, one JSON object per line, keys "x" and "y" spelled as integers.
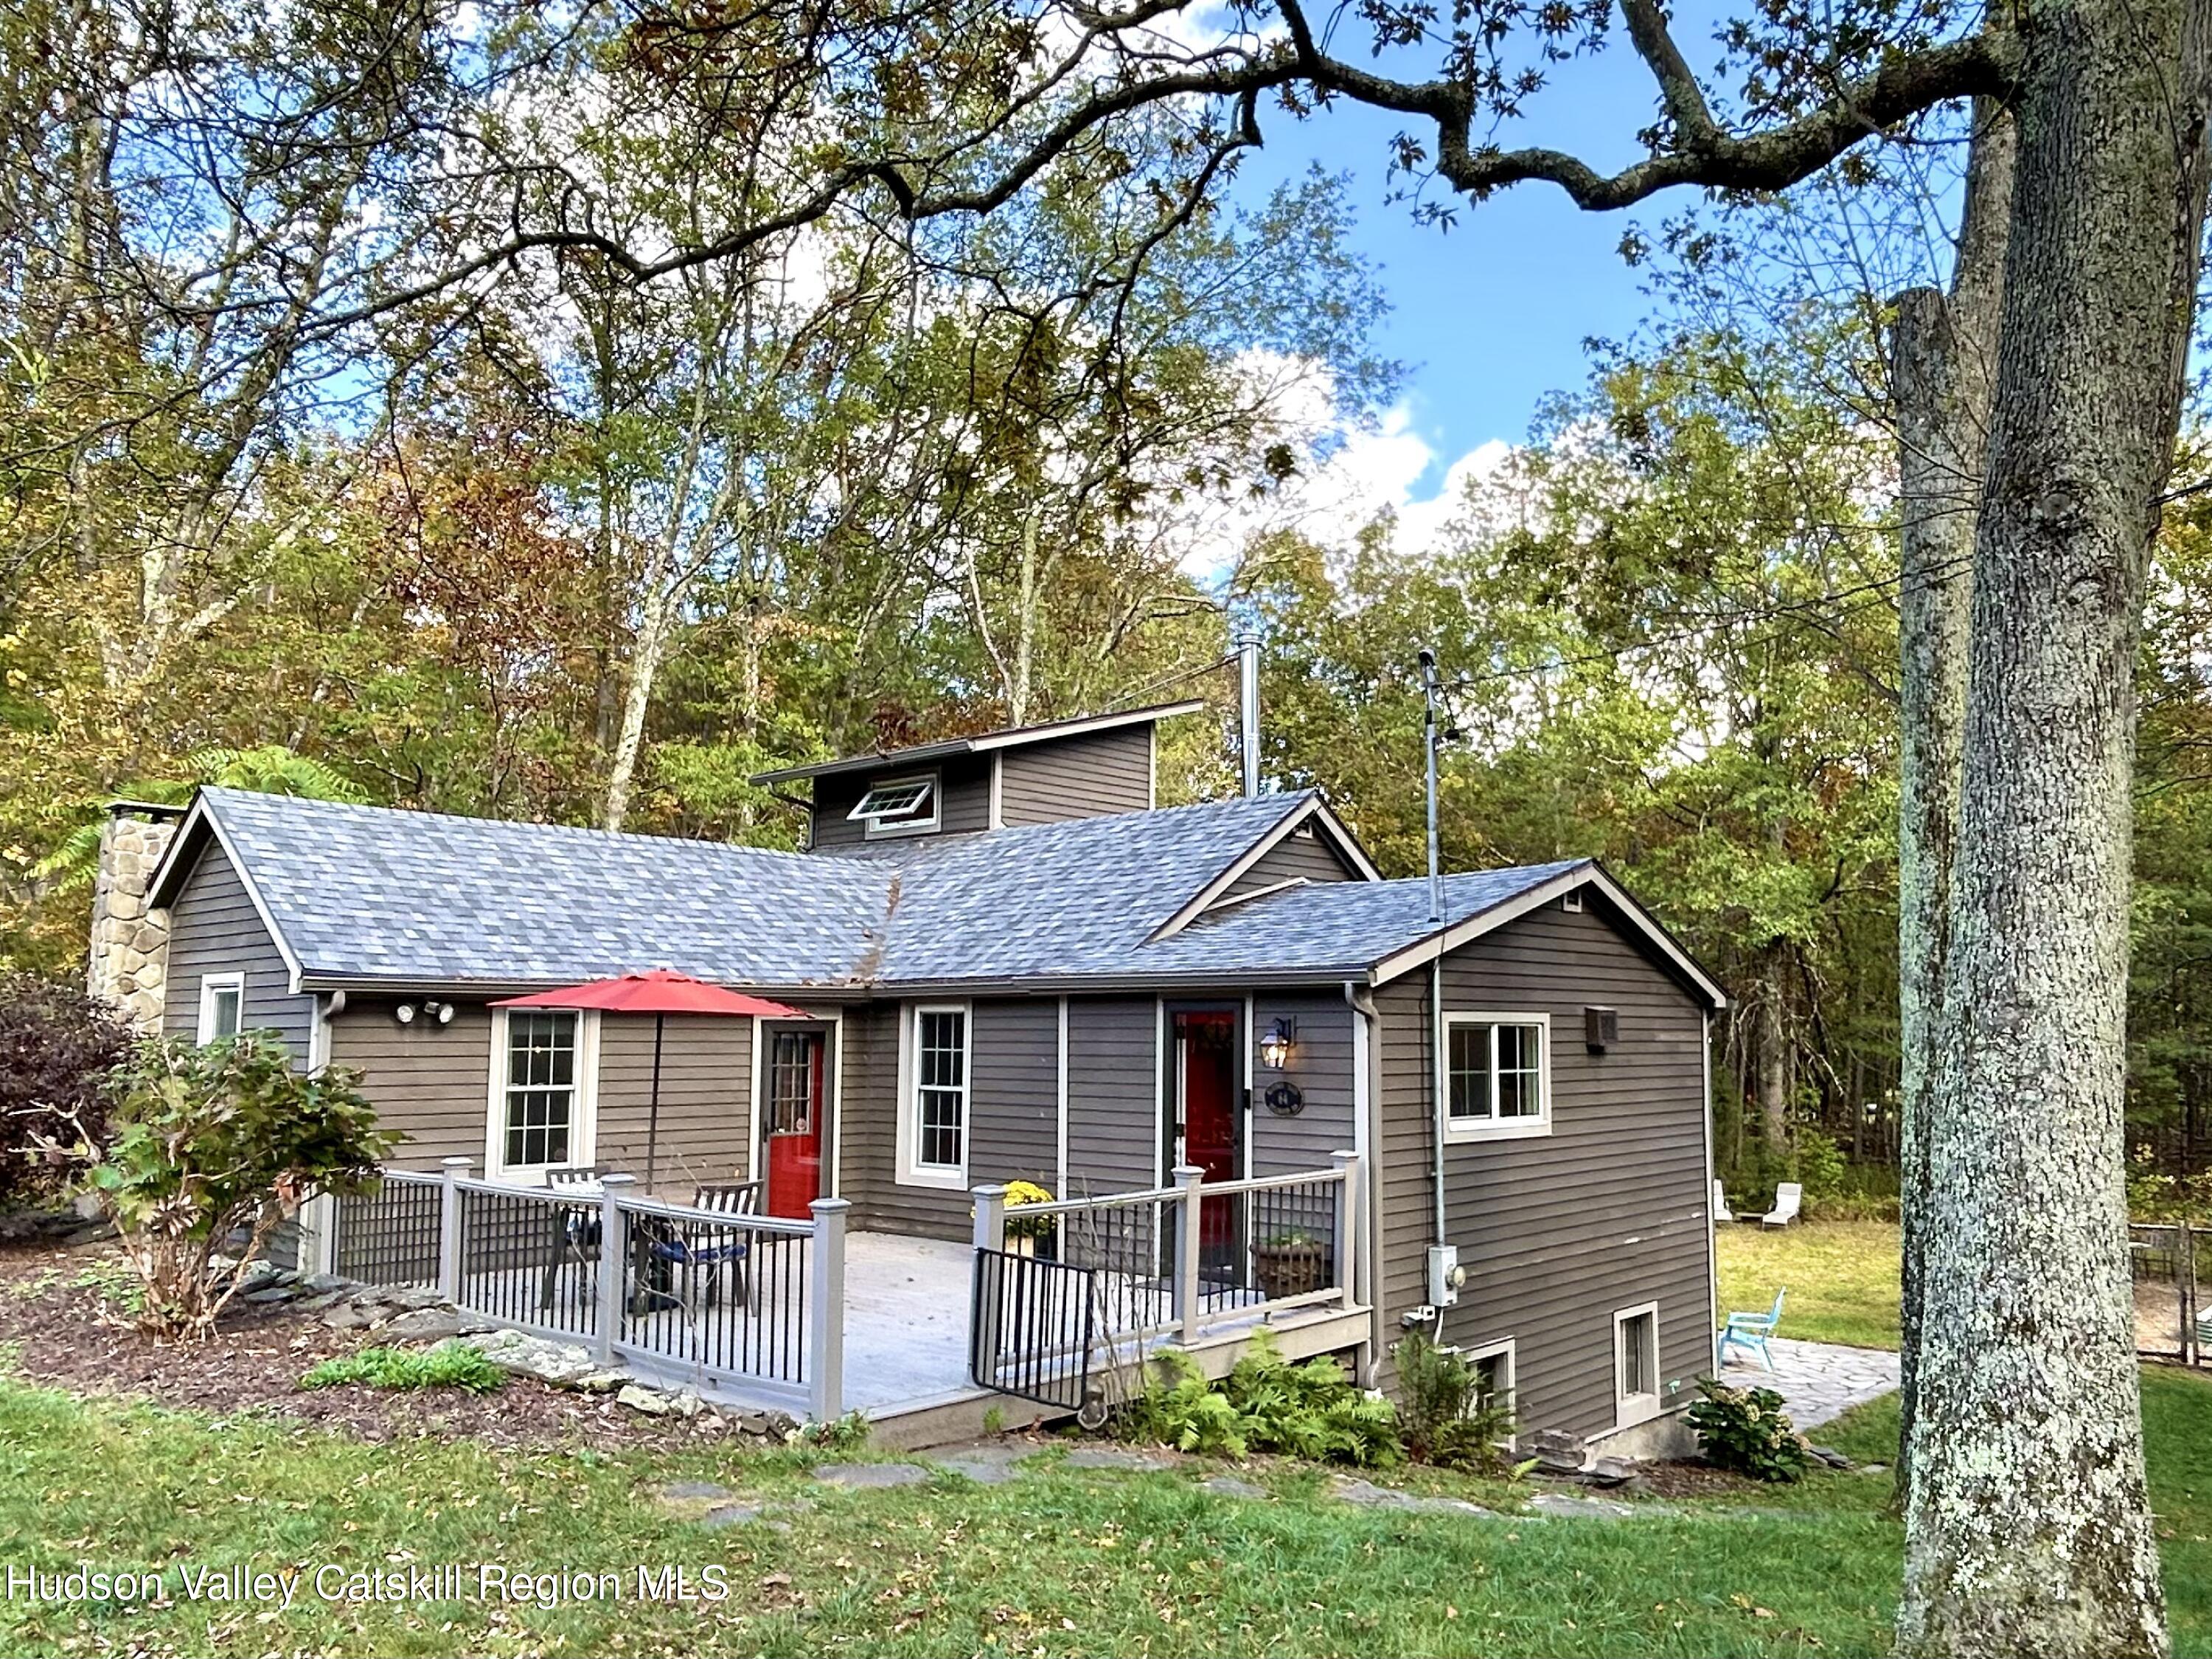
{"x": 1017, "y": 965}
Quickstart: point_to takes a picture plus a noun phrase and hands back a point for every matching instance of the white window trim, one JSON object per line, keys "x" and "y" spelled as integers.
{"x": 875, "y": 829}
{"x": 910, "y": 1171}
{"x": 210, "y": 985}
{"x": 583, "y": 1132}
{"x": 1492, "y": 1351}
{"x": 1630, "y": 1409}
{"x": 1495, "y": 1127}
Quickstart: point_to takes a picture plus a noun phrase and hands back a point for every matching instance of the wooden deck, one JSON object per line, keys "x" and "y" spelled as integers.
{"x": 907, "y": 1306}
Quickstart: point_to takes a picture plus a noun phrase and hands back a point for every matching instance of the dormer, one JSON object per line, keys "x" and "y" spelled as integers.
{"x": 1086, "y": 768}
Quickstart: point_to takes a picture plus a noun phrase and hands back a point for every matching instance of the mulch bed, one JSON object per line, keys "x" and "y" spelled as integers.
{"x": 65, "y": 1335}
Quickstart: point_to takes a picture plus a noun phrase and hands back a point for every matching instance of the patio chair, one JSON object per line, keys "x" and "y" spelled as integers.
{"x": 701, "y": 1252}
{"x": 706, "y": 1251}
{"x": 576, "y": 1232}
{"x": 1749, "y": 1331}
{"x": 1788, "y": 1197}
{"x": 1721, "y": 1211}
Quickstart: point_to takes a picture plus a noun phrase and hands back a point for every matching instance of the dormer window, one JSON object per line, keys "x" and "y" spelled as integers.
{"x": 899, "y": 807}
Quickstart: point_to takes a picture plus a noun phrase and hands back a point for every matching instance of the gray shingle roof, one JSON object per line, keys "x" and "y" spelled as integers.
{"x": 364, "y": 892}
{"x": 370, "y": 893}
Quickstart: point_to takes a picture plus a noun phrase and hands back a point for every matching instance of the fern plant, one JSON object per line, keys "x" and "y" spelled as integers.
{"x": 1265, "y": 1404}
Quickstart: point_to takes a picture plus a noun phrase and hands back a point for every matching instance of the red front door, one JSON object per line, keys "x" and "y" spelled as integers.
{"x": 793, "y": 1112}
{"x": 1205, "y": 1052}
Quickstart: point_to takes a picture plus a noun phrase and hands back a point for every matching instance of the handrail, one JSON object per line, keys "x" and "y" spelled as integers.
{"x": 1207, "y": 1189}
{"x": 752, "y": 1221}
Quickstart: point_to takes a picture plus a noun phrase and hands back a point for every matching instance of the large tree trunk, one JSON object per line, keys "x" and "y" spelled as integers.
{"x": 1943, "y": 360}
{"x": 2028, "y": 1525}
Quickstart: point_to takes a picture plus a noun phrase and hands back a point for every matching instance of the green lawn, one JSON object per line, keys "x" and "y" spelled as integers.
{"x": 1058, "y": 1562}
{"x": 1841, "y": 1276}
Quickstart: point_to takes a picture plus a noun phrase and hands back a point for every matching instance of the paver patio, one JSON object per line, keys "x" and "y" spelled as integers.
{"x": 1818, "y": 1380}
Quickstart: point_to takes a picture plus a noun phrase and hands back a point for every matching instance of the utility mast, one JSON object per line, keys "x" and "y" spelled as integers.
{"x": 1429, "y": 693}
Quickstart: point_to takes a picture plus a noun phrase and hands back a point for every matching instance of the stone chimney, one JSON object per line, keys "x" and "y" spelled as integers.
{"x": 130, "y": 956}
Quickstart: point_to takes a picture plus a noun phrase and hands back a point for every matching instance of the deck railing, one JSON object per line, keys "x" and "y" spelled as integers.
{"x": 1197, "y": 1256}
{"x": 389, "y": 1236}
{"x": 707, "y": 1296}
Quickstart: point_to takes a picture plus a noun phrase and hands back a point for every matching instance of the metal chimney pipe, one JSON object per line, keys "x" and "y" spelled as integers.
{"x": 1248, "y": 662}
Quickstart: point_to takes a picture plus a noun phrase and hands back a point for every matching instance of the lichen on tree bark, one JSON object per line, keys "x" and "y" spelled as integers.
{"x": 2029, "y": 1527}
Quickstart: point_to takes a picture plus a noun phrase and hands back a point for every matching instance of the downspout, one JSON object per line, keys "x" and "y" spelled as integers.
{"x": 1367, "y": 1131}
{"x": 1436, "y": 1090}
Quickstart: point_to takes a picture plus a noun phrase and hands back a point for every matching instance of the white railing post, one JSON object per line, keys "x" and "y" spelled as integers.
{"x": 1347, "y": 1225}
{"x": 826, "y": 1340}
{"x": 614, "y": 1262}
{"x": 988, "y": 1297}
{"x": 450, "y": 1170}
{"x": 1188, "y": 1178}
{"x": 990, "y": 1216}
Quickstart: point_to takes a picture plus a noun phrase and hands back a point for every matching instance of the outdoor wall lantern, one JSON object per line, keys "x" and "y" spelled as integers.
{"x": 1275, "y": 1048}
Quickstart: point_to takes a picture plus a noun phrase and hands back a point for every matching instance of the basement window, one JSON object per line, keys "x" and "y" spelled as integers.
{"x": 899, "y": 807}
{"x": 1636, "y": 1364}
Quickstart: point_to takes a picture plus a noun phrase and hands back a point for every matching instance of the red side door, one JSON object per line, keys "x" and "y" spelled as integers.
{"x": 1206, "y": 1046}
{"x": 794, "y": 1112}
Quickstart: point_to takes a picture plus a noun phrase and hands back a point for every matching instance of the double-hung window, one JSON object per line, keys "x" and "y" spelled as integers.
{"x": 1497, "y": 1075}
{"x": 222, "y": 1007}
{"x": 541, "y": 1104}
{"x": 934, "y": 1143}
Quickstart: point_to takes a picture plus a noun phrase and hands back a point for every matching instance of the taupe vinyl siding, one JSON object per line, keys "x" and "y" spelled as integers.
{"x": 706, "y": 1081}
{"x": 1558, "y": 1232}
{"x": 965, "y": 803}
{"x": 1084, "y": 777}
{"x": 430, "y": 1082}
{"x": 1310, "y": 856}
{"x": 872, "y": 1108}
{"x": 1113, "y": 1095}
{"x": 215, "y": 929}
{"x": 1013, "y": 1121}
{"x": 1013, "y": 1092}
{"x": 1320, "y": 1067}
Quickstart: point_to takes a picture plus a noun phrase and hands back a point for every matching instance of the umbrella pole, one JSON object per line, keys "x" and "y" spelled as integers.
{"x": 653, "y": 1111}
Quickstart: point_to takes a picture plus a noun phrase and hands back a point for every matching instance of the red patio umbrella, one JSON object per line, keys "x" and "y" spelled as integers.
{"x": 659, "y": 992}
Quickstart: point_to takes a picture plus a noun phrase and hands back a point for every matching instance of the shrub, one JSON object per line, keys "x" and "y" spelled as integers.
{"x": 206, "y": 1142}
{"x": 1745, "y": 1431}
{"x": 58, "y": 1049}
{"x": 1447, "y": 1420}
{"x": 1264, "y": 1404}
{"x": 448, "y": 1366}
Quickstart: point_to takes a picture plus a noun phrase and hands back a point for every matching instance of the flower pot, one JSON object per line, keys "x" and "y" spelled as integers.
{"x": 1289, "y": 1269}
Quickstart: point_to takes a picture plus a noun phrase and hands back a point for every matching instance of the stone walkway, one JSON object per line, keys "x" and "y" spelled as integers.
{"x": 1818, "y": 1382}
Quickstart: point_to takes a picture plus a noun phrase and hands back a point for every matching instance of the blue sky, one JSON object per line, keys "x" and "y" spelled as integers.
{"x": 1490, "y": 315}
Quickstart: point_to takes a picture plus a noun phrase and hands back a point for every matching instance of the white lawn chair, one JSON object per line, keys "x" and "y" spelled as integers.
{"x": 1721, "y": 1211}
{"x": 1788, "y": 1198}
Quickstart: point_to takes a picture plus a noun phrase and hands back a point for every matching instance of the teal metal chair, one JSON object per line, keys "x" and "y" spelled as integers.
{"x": 1749, "y": 1331}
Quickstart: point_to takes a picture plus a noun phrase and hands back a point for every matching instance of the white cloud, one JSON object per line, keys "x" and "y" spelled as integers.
{"x": 1366, "y": 471}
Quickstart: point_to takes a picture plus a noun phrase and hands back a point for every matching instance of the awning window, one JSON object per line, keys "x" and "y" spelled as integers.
{"x": 898, "y": 804}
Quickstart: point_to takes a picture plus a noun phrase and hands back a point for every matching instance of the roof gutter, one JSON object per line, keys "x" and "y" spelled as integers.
{"x": 883, "y": 990}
